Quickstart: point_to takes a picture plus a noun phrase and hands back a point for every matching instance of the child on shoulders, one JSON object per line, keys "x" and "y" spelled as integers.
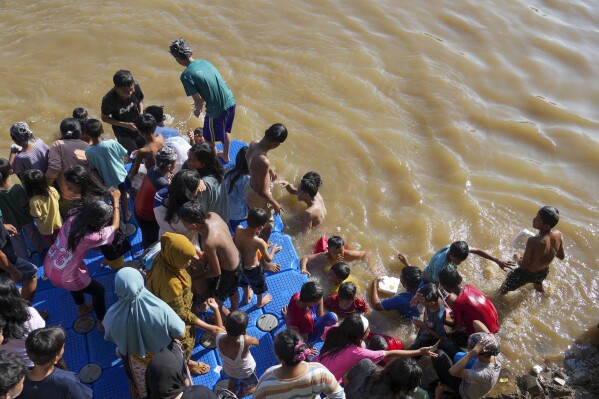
{"x": 308, "y": 193}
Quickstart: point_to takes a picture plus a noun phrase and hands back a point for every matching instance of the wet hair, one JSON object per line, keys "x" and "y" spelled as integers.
{"x": 236, "y": 323}
{"x": 240, "y": 169}
{"x": 341, "y": 270}
{"x": 20, "y": 132}
{"x": 180, "y": 48}
{"x": 378, "y": 343}
{"x": 549, "y": 215}
{"x": 347, "y": 291}
{"x": 412, "y": 276}
{"x": 277, "y": 133}
{"x": 91, "y": 188}
{"x": 192, "y": 212}
{"x": 289, "y": 347}
{"x": 257, "y": 217}
{"x": 401, "y": 376}
{"x": 459, "y": 249}
{"x": 4, "y": 169}
{"x": 165, "y": 157}
{"x": 335, "y": 242}
{"x": 70, "y": 129}
{"x": 91, "y": 218}
{"x": 35, "y": 183}
{"x": 145, "y": 124}
{"x": 13, "y": 309}
{"x": 349, "y": 332}
{"x": 93, "y": 128}
{"x": 44, "y": 344}
{"x": 2, "y": 325}
{"x": 311, "y": 292}
{"x": 429, "y": 292}
{"x": 204, "y": 153}
{"x": 123, "y": 78}
{"x": 491, "y": 348}
{"x": 310, "y": 183}
{"x": 183, "y": 188}
{"x": 80, "y": 113}
{"x": 450, "y": 278}
{"x": 157, "y": 111}
{"x": 13, "y": 371}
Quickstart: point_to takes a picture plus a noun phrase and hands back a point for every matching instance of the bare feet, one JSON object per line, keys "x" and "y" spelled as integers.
{"x": 198, "y": 368}
{"x": 222, "y": 156}
{"x": 84, "y": 309}
{"x": 265, "y": 300}
{"x": 248, "y": 293}
{"x": 272, "y": 267}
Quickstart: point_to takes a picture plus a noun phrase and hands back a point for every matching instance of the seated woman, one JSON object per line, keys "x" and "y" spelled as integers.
{"x": 295, "y": 377}
{"x": 168, "y": 280}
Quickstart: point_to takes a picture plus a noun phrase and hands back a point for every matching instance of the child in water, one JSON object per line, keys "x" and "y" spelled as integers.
{"x": 308, "y": 193}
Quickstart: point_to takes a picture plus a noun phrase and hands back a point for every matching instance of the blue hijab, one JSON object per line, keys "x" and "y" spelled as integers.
{"x": 139, "y": 322}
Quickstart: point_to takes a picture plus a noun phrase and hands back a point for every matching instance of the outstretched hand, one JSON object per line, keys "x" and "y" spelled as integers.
{"x": 506, "y": 264}
{"x": 427, "y": 351}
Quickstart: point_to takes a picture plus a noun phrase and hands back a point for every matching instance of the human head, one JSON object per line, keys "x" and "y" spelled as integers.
{"x": 180, "y": 49}
{"x": 157, "y": 111}
{"x": 13, "y": 309}
{"x": 276, "y": 134}
{"x": 431, "y": 295}
{"x": 311, "y": 293}
{"x": 4, "y": 169}
{"x": 338, "y": 272}
{"x": 289, "y": 348}
{"x": 377, "y": 343}
{"x": 236, "y": 323}
{"x": 124, "y": 84}
{"x": 93, "y": 128}
{"x": 410, "y": 277}
{"x": 12, "y": 375}
{"x": 201, "y": 157}
{"x": 549, "y": 216}
{"x": 145, "y": 124}
{"x": 257, "y": 218}
{"x": 491, "y": 346}
{"x": 458, "y": 252}
{"x": 402, "y": 375}
{"x": 335, "y": 246}
{"x": 350, "y": 331}
{"x": 128, "y": 283}
{"x": 450, "y": 279}
{"x": 80, "y": 182}
{"x": 184, "y": 187}
{"x": 45, "y": 345}
{"x": 34, "y": 183}
{"x": 192, "y": 214}
{"x": 347, "y": 294}
{"x": 70, "y": 129}
{"x": 310, "y": 184}
{"x": 91, "y": 218}
{"x": 80, "y": 114}
{"x": 198, "y": 135}
{"x": 20, "y": 133}
{"x": 166, "y": 158}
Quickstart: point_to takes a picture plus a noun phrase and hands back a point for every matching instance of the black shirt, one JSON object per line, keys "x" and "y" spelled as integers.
{"x": 122, "y": 110}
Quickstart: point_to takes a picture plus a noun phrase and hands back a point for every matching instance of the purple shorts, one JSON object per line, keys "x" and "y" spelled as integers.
{"x": 215, "y": 128}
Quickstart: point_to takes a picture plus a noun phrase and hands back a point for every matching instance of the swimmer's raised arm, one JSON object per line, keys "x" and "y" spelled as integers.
{"x": 291, "y": 189}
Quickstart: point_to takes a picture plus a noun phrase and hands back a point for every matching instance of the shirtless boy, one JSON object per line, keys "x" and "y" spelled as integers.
{"x": 146, "y": 125}
{"x": 308, "y": 192}
{"x": 219, "y": 250}
{"x": 533, "y": 266}
{"x": 249, "y": 244}
{"x": 257, "y": 192}
{"x": 335, "y": 253}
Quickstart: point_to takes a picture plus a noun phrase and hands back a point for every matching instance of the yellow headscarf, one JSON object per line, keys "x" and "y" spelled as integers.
{"x": 168, "y": 277}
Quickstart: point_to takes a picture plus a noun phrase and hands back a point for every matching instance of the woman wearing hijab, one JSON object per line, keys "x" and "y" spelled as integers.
{"x": 169, "y": 281}
{"x": 140, "y": 324}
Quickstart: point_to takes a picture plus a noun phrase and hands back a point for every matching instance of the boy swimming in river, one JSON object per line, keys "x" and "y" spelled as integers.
{"x": 335, "y": 253}
{"x": 533, "y": 265}
{"x": 308, "y": 192}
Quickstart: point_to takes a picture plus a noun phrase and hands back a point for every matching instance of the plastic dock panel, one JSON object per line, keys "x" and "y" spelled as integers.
{"x": 208, "y": 356}
{"x": 287, "y": 255}
{"x": 75, "y": 351}
{"x": 283, "y": 285}
{"x": 112, "y": 384}
{"x": 60, "y": 305}
{"x": 263, "y": 353}
{"x": 101, "y": 351}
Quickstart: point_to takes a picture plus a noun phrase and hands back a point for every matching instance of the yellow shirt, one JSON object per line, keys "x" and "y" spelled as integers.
{"x": 336, "y": 287}
{"x": 45, "y": 211}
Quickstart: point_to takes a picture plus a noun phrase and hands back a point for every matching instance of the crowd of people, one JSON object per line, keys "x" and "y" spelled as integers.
{"x": 205, "y": 233}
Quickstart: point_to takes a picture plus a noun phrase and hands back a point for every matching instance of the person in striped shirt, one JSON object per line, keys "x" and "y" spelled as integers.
{"x": 295, "y": 377}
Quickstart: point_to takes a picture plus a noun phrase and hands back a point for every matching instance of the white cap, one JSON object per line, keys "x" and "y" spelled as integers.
{"x": 365, "y": 322}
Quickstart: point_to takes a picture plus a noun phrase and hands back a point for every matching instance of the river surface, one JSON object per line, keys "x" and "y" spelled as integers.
{"x": 429, "y": 121}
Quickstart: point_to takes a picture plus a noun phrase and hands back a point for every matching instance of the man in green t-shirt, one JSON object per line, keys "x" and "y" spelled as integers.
{"x": 202, "y": 81}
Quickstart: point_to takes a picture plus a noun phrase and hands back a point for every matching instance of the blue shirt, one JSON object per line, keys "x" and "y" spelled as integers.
{"x": 59, "y": 384}
{"x": 435, "y": 321}
{"x": 107, "y": 158}
{"x": 438, "y": 262}
{"x": 401, "y": 303}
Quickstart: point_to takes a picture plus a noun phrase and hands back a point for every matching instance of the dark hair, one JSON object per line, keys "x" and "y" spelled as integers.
{"x": 401, "y": 376}
{"x": 257, "y": 217}
{"x": 289, "y": 347}
{"x": 341, "y": 270}
{"x": 183, "y": 188}
{"x": 145, "y": 123}
{"x": 204, "y": 153}
{"x": 4, "y": 169}
{"x": 240, "y": 169}
{"x": 429, "y": 292}
{"x": 80, "y": 113}
{"x": 13, "y": 371}
{"x": 180, "y": 48}
{"x": 44, "y": 344}
{"x": 412, "y": 276}
{"x": 157, "y": 111}
{"x": 335, "y": 241}
{"x": 34, "y": 183}
{"x": 378, "y": 343}
{"x": 549, "y": 215}
{"x": 310, "y": 183}
{"x": 459, "y": 249}
{"x": 88, "y": 219}
{"x": 277, "y": 133}
{"x": 123, "y": 78}
{"x": 450, "y": 278}
{"x": 70, "y": 129}
{"x": 192, "y": 212}
{"x": 311, "y": 291}
{"x": 93, "y": 128}
{"x": 347, "y": 291}
{"x": 13, "y": 309}
{"x": 21, "y": 133}
{"x": 349, "y": 332}
{"x": 91, "y": 188}
{"x": 236, "y": 323}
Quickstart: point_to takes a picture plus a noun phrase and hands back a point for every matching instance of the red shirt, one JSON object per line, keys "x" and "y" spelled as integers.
{"x": 300, "y": 318}
{"x": 472, "y": 305}
{"x": 358, "y": 306}
{"x": 144, "y": 200}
